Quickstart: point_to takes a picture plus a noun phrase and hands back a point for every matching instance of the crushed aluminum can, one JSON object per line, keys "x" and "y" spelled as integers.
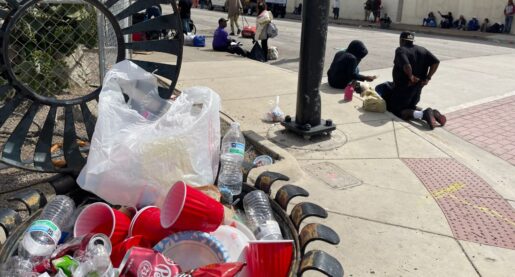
{"x": 144, "y": 262}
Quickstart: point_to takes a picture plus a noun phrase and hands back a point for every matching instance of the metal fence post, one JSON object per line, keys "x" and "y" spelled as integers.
{"x": 308, "y": 120}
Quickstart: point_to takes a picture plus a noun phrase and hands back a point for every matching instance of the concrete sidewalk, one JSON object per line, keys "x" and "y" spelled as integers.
{"x": 372, "y": 176}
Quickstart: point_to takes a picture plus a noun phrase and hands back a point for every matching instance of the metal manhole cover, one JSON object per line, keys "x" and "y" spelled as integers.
{"x": 474, "y": 210}
{"x": 333, "y": 175}
{"x": 279, "y": 135}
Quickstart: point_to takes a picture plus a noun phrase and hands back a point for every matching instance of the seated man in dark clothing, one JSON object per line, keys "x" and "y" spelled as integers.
{"x": 222, "y": 42}
{"x": 461, "y": 23}
{"x": 344, "y": 68}
{"x": 447, "y": 20}
{"x": 413, "y": 68}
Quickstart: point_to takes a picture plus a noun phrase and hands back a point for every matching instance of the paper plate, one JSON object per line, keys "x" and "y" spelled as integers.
{"x": 192, "y": 249}
{"x": 233, "y": 240}
{"x": 243, "y": 228}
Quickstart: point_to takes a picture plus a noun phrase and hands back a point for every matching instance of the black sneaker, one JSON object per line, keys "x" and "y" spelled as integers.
{"x": 429, "y": 118}
{"x": 231, "y": 34}
{"x": 440, "y": 118}
{"x": 239, "y": 31}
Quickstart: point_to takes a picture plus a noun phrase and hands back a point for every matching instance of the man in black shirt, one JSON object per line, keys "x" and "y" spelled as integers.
{"x": 413, "y": 68}
{"x": 185, "y": 12}
{"x": 344, "y": 68}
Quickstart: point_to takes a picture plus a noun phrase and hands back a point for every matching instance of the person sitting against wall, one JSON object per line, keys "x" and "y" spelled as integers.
{"x": 485, "y": 25}
{"x": 461, "y": 23}
{"x": 430, "y": 20}
{"x": 447, "y": 20}
{"x": 385, "y": 21}
{"x": 473, "y": 24}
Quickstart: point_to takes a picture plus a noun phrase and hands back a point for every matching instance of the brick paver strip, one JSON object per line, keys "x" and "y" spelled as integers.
{"x": 474, "y": 210}
{"x": 490, "y": 126}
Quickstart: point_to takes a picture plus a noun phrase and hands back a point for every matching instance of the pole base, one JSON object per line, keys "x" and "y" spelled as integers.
{"x": 307, "y": 131}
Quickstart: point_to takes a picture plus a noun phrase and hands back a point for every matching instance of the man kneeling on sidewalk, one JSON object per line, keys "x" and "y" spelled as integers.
{"x": 413, "y": 68}
{"x": 222, "y": 41}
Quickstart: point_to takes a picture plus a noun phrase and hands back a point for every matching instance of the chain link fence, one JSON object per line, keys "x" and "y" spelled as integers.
{"x": 62, "y": 48}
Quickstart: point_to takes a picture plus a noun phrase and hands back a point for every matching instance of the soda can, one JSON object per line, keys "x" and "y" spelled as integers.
{"x": 144, "y": 262}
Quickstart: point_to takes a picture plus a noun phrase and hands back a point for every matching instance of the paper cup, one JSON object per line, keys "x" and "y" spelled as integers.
{"x": 123, "y": 247}
{"x": 269, "y": 258}
{"x": 188, "y": 209}
{"x": 101, "y": 218}
{"x": 148, "y": 224}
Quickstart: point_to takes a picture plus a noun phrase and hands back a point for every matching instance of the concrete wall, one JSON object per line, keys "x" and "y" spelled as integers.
{"x": 413, "y": 11}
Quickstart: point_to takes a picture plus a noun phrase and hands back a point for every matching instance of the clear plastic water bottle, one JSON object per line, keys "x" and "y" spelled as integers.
{"x": 42, "y": 236}
{"x": 233, "y": 150}
{"x": 260, "y": 217}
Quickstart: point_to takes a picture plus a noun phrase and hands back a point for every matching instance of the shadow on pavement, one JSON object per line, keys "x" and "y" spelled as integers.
{"x": 326, "y": 88}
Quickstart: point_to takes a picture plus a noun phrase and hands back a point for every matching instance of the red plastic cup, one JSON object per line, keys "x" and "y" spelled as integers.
{"x": 188, "y": 209}
{"x": 148, "y": 224}
{"x": 101, "y": 218}
{"x": 269, "y": 258}
{"x": 123, "y": 247}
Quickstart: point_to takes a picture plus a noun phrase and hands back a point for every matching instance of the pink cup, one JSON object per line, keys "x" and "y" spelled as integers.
{"x": 188, "y": 209}
{"x": 148, "y": 224}
{"x": 101, "y": 218}
{"x": 347, "y": 94}
{"x": 269, "y": 258}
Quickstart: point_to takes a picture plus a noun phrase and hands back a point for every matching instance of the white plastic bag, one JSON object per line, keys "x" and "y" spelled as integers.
{"x": 273, "y": 53}
{"x": 134, "y": 160}
{"x": 275, "y": 114}
{"x": 188, "y": 39}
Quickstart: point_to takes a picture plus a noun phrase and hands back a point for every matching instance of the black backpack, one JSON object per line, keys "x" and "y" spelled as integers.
{"x": 257, "y": 53}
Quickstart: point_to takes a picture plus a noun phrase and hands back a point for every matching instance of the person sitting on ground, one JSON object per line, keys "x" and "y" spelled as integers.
{"x": 386, "y": 21}
{"x": 222, "y": 41}
{"x": 461, "y": 23}
{"x": 485, "y": 25}
{"x": 496, "y": 28}
{"x": 447, "y": 20}
{"x": 473, "y": 24}
{"x": 430, "y": 20}
{"x": 413, "y": 68}
{"x": 344, "y": 68}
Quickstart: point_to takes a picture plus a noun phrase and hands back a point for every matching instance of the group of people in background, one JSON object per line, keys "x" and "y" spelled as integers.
{"x": 447, "y": 21}
{"x": 222, "y": 40}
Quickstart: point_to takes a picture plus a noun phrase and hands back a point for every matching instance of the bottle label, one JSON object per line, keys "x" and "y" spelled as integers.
{"x": 46, "y": 226}
{"x": 237, "y": 148}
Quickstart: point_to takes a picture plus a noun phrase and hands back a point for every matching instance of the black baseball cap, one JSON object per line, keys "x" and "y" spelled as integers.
{"x": 222, "y": 20}
{"x": 409, "y": 36}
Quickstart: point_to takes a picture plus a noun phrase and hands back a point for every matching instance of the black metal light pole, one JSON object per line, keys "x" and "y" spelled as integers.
{"x": 308, "y": 120}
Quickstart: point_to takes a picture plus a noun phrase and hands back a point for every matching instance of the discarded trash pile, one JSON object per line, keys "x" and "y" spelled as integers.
{"x": 159, "y": 161}
{"x": 191, "y": 234}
